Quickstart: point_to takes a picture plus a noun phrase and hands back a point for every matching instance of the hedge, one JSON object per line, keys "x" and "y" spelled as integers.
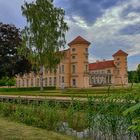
{"x": 25, "y": 89}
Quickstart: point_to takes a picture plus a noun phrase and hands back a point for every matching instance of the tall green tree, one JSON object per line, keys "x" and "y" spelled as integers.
{"x": 44, "y": 34}
{"x": 10, "y": 60}
{"x": 133, "y": 76}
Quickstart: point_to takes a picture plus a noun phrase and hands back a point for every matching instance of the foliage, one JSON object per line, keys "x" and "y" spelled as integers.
{"x": 138, "y": 72}
{"x": 134, "y": 76}
{"x": 135, "y": 112}
{"x": 24, "y": 89}
{"x": 121, "y": 93}
{"x": 110, "y": 116}
{"x": 44, "y": 34}
{"x": 5, "y": 81}
{"x": 10, "y": 61}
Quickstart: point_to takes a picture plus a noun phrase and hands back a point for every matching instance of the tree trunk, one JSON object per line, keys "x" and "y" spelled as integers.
{"x": 41, "y": 78}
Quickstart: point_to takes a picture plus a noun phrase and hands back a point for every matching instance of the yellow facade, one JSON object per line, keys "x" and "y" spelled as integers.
{"x": 73, "y": 70}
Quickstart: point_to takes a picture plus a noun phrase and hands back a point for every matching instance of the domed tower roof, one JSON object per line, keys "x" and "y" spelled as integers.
{"x": 79, "y": 40}
{"x": 120, "y": 53}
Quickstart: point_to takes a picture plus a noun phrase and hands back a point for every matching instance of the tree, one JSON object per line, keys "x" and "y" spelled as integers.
{"x": 132, "y": 76}
{"x": 138, "y": 73}
{"x": 10, "y": 60}
{"x": 44, "y": 34}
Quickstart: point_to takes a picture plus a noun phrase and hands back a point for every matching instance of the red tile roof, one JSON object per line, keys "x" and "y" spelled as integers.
{"x": 120, "y": 53}
{"x": 79, "y": 40}
{"x": 101, "y": 65}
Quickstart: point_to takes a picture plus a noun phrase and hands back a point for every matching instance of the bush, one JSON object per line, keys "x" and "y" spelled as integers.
{"x": 25, "y": 89}
{"x": 6, "y": 81}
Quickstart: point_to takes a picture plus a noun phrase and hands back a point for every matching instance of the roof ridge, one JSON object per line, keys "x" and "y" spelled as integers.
{"x": 101, "y": 61}
{"x": 79, "y": 40}
{"x": 120, "y": 53}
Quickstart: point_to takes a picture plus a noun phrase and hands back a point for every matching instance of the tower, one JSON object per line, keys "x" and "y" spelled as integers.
{"x": 120, "y": 61}
{"x": 79, "y": 62}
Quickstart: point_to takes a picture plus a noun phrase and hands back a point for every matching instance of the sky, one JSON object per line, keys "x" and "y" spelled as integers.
{"x": 109, "y": 25}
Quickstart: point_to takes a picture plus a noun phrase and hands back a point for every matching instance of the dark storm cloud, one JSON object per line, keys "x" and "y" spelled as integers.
{"x": 130, "y": 30}
{"x": 89, "y": 10}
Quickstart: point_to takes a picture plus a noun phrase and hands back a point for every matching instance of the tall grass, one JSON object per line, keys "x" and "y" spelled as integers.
{"x": 104, "y": 116}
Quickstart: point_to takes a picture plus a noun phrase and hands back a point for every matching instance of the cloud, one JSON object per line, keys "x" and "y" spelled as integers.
{"x": 108, "y": 24}
{"x": 130, "y": 29}
{"x": 89, "y": 10}
{"x": 133, "y": 62}
{"x": 110, "y": 32}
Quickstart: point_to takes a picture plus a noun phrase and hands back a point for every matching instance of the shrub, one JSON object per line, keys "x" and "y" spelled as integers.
{"x": 5, "y": 81}
{"x": 25, "y": 89}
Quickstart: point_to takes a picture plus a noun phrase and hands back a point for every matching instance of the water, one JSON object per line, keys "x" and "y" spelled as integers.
{"x": 96, "y": 133}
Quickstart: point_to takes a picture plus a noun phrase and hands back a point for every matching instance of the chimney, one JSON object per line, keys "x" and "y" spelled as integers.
{"x": 103, "y": 60}
{"x": 97, "y": 61}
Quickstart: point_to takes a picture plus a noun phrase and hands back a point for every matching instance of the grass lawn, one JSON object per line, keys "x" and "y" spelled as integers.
{"x": 95, "y": 92}
{"x": 16, "y": 131}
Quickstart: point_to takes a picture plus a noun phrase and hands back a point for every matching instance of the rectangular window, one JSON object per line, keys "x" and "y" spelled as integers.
{"x": 118, "y": 63}
{"x": 37, "y": 82}
{"x": 110, "y": 79}
{"x": 31, "y": 82}
{"x": 23, "y": 82}
{"x": 54, "y": 81}
{"x": 73, "y": 57}
{"x": 46, "y": 82}
{"x": 74, "y": 82}
{"x": 50, "y": 81}
{"x": 86, "y": 68}
{"x": 62, "y": 68}
{"x": 86, "y": 49}
{"x": 19, "y": 83}
{"x": 63, "y": 79}
{"x": 73, "y": 69}
{"x": 27, "y": 83}
{"x": 59, "y": 79}
{"x": 59, "y": 69}
{"x": 108, "y": 71}
{"x": 106, "y": 79}
{"x": 73, "y": 49}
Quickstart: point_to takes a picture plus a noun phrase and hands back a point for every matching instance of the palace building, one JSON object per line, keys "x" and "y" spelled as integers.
{"x": 110, "y": 72}
{"x": 74, "y": 70}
